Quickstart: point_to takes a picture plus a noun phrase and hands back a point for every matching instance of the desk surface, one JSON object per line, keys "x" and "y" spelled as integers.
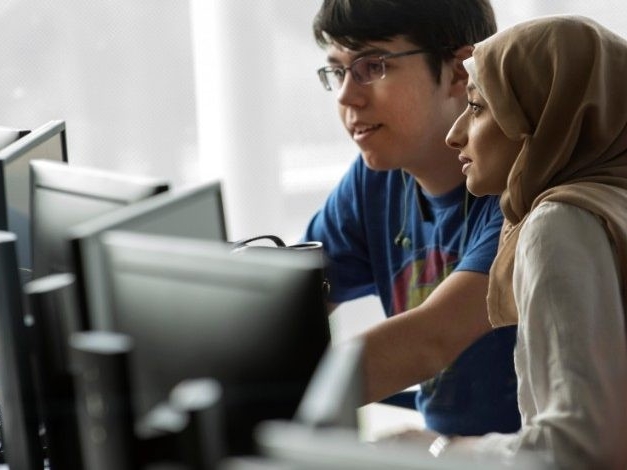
{"x": 377, "y": 420}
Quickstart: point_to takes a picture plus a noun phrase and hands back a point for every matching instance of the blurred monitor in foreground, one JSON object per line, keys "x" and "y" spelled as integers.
{"x": 255, "y": 321}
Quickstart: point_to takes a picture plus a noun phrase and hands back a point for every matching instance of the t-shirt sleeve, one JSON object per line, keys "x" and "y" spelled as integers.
{"x": 339, "y": 226}
{"x": 482, "y": 237}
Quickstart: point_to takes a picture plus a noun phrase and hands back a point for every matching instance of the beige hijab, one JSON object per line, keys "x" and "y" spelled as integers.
{"x": 559, "y": 84}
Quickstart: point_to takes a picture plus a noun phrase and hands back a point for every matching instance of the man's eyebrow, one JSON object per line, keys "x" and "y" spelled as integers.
{"x": 363, "y": 53}
{"x": 471, "y": 87}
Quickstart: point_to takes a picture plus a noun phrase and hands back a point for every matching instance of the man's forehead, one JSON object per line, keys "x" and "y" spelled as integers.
{"x": 367, "y": 47}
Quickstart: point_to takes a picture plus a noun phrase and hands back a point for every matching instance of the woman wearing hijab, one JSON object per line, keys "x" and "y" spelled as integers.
{"x": 546, "y": 127}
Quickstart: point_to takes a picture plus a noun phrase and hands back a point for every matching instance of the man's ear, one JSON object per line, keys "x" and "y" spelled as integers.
{"x": 459, "y": 75}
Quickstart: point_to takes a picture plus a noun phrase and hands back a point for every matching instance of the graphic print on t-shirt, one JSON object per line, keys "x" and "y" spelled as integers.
{"x": 418, "y": 279}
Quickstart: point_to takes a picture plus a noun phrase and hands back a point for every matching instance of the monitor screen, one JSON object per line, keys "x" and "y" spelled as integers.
{"x": 255, "y": 321}
{"x": 65, "y": 195}
{"x": 195, "y": 211}
{"x": 46, "y": 142}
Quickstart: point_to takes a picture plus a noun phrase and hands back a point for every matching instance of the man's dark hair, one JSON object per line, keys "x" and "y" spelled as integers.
{"x": 440, "y": 26}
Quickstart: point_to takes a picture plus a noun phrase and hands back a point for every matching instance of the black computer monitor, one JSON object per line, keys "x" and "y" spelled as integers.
{"x": 195, "y": 211}
{"x": 47, "y": 142}
{"x": 254, "y": 320}
{"x": 65, "y": 195}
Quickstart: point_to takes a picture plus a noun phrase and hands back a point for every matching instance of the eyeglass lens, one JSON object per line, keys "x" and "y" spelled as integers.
{"x": 364, "y": 70}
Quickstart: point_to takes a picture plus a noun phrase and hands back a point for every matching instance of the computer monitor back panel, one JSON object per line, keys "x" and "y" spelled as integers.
{"x": 194, "y": 212}
{"x": 256, "y": 322}
{"x": 46, "y": 142}
{"x": 199, "y": 217}
{"x": 65, "y": 195}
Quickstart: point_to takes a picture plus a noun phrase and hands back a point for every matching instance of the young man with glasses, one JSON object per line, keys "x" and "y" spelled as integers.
{"x": 400, "y": 224}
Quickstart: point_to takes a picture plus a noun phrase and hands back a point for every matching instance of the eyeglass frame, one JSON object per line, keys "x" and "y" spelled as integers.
{"x": 324, "y": 79}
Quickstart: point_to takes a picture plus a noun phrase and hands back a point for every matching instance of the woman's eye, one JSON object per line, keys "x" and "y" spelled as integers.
{"x": 474, "y": 107}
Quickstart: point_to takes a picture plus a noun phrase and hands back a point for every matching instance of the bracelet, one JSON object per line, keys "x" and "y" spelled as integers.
{"x": 439, "y": 445}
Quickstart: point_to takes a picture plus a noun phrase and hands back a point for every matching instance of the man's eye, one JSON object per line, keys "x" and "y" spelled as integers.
{"x": 374, "y": 66}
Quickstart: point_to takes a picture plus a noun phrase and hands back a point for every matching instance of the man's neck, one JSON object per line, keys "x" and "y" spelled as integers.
{"x": 439, "y": 181}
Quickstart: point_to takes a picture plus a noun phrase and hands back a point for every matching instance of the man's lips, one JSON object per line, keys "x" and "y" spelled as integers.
{"x": 360, "y": 131}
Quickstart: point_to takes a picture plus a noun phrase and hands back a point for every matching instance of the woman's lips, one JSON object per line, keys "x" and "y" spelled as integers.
{"x": 466, "y": 162}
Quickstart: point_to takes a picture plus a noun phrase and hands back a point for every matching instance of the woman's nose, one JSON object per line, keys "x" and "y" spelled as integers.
{"x": 455, "y": 137}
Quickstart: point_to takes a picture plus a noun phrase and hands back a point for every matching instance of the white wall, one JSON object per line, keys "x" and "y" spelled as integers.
{"x": 260, "y": 103}
{"x": 119, "y": 72}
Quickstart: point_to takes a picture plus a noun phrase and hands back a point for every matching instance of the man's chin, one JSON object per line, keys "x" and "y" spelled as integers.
{"x": 376, "y": 163}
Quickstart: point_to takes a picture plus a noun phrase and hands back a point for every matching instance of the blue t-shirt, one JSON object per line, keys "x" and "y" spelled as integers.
{"x": 358, "y": 226}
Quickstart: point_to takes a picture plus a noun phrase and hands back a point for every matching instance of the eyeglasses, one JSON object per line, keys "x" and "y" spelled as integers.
{"x": 364, "y": 70}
